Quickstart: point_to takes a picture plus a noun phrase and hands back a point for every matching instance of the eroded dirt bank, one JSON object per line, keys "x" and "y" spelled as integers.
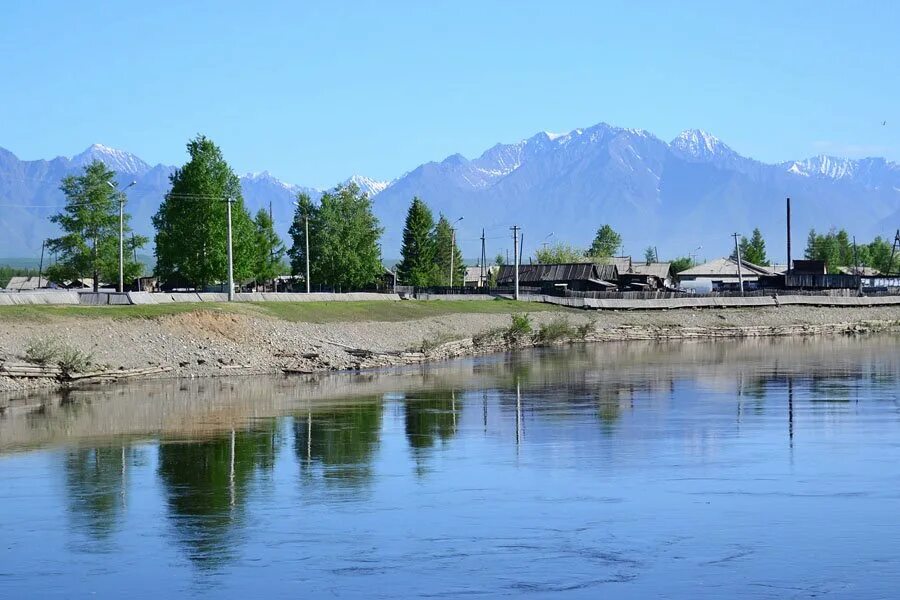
{"x": 214, "y": 343}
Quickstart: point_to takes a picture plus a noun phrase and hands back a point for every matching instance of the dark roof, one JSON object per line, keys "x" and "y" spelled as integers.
{"x": 536, "y": 274}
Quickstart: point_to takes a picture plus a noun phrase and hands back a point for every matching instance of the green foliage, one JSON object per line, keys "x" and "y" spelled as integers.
{"x": 305, "y": 209}
{"x": 417, "y": 266}
{"x": 51, "y": 350}
{"x": 519, "y": 327}
{"x": 443, "y": 242}
{"x": 42, "y": 351}
{"x": 753, "y": 250}
{"x": 191, "y": 223}
{"x": 499, "y": 260}
{"x": 560, "y": 252}
{"x": 73, "y": 360}
{"x": 585, "y": 329}
{"x": 558, "y": 328}
{"x": 878, "y": 255}
{"x": 833, "y": 247}
{"x": 267, "y": 249}
{"x": 89, "y": 246}
{"x": 682, "y": 263}
{"x": 606, "y": 243}
{"x": 343, "y": 240}
{"x": 650, "y": 254}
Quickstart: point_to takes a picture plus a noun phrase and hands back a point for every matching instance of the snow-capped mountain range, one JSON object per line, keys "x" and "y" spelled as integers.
{"x": 693, "y": 191}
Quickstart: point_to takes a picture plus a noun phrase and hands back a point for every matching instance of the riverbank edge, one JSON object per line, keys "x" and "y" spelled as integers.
{"x": 551, "y": 329}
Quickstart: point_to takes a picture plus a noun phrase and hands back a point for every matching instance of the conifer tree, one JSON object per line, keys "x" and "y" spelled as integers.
{"x": 417, "y": 266}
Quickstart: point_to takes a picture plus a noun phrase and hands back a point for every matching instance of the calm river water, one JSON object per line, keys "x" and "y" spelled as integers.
{"x": 758, "y": 469}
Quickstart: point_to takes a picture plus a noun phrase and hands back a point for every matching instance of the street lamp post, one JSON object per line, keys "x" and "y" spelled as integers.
{"x": 121, "y": 194}
{"x": 453, "y": 247}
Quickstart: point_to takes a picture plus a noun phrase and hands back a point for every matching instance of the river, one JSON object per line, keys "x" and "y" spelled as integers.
{"x": 743, "y": 469}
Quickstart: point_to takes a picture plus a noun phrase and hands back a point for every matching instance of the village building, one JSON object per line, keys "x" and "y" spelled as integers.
{"x": 581, "y": 277}
{"x": 722, "y": 274}
{"x": 473, "y": 276}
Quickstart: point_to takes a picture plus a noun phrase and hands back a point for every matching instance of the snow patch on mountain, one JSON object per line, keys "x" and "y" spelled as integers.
{"x": 824, "y": 166}
{"x": 700, "y": 145}
{"x": 368, "y": 185}
{"x": 266, "y": 177}
{"x": 118, "y": 160}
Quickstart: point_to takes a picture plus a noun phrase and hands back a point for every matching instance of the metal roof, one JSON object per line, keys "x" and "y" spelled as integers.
{"x": 558, "y": 272}
{"x": 661, "y": 270}
{"x": 724, "y": 267}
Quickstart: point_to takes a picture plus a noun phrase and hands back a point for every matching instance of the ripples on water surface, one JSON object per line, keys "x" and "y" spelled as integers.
{"x": 764, "y": 469}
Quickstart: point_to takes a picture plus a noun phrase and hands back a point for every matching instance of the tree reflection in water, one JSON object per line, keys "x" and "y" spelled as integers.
{"x": 429, "y": 417}
{"x": 207, "y": 484}
{"x": 339, "y": 443}
{"x": 96, "y": 486}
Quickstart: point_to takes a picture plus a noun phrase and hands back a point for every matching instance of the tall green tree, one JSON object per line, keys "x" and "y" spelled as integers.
{"x": 834, "y": 247}
{"x": 191, "y": 223}
{"x": 417, "y": 264}
{"x": 606, "y": 243}
{"x": 345, "y": 251}
{"x": 753, "y": 250}
{"x": 444, "y": 243}
{"x": 649, "y": 254}
{"x": 560, "y": 252}
{"x": 89, "y": 244}
{"x": 268, "y": 248}
{"x": 305, "y": 209}
{"x": 879, "y": 255}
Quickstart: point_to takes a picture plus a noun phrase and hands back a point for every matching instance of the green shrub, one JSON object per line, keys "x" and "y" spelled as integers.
{"x": 585, "y": 329}
{"x": 73, "y": 360}
{"x": 519, "y": 327}
{"x": 42, "y": 351}
{"x": 557, "y": 329}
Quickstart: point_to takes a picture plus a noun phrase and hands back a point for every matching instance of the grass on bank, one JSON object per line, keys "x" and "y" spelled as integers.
{"x": 299, "y": 312}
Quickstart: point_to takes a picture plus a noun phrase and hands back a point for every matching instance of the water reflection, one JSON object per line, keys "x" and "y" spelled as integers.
{"x": 96, "y": 488}
{"x": 351, "y": 469}
{"x": 338, "y": 444}
{"x": 206, "y": 485}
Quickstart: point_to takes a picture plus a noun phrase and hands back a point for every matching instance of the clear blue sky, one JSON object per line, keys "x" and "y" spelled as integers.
{"x": 317, "y": 91}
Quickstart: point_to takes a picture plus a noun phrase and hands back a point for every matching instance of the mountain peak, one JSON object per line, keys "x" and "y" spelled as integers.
{"x": 698, "y": 144}
{"x": 368, "y": 185}
{"x": 118, "y": 160}
{"x": 831, "y": 167}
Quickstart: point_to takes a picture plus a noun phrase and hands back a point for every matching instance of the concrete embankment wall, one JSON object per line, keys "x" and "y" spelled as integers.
{"x": 113, "y": 298}
{"x": 715, "y": 302}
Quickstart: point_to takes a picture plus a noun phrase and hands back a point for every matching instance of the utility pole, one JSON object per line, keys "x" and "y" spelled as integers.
{"x": 856, "y": 268}
{"x": 515, "y": 230}
{"x": 121, "y": 195}
{"x": 483, "y": 258}
{"x": 453, "y": 247}
{"x": 306, "y": 240}
{"x": 230, "y": 255}
{"x": 41, "y": 264}
{"x": 737, "y": 249}
{"x": 789, "y": 236}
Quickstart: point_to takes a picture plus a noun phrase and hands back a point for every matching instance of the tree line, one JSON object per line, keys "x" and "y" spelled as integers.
{"x": 340, "y": 231}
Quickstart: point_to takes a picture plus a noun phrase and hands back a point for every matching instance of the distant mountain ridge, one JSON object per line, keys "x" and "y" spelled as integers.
{"x": 678, "y": 195}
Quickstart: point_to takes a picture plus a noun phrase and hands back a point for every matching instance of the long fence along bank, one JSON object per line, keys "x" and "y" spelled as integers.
{"x": 625, "y": 302}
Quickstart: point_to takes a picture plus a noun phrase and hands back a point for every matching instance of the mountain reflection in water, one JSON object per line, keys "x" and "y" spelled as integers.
{"x": 742, "y": 468}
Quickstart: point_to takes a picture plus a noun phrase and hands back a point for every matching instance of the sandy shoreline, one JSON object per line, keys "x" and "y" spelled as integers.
{"x": 205, "y": 343}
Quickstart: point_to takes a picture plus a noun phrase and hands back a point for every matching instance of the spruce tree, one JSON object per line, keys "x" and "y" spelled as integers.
{"x": 191, "y": 223}
{"x": 417, "y": 264}
{"x": 267, "y": 249}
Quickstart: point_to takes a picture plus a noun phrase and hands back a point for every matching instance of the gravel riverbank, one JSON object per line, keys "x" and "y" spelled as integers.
{"x": 204, "y": 342}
